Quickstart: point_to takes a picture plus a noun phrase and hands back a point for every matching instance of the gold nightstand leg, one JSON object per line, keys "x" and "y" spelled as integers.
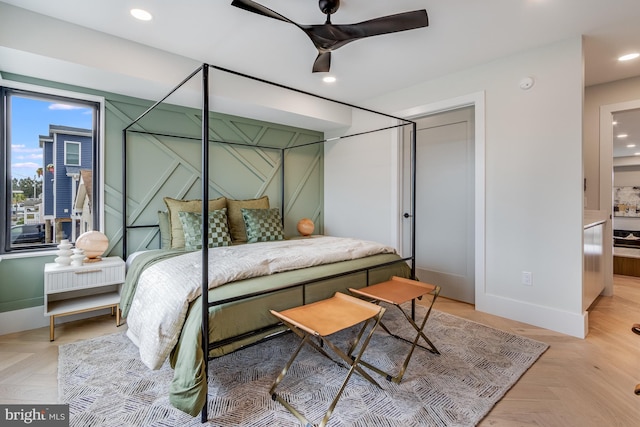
{"x": 52, "y": 320}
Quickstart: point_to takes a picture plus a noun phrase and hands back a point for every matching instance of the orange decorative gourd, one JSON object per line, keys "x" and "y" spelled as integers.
{"x": 305, "y": 227}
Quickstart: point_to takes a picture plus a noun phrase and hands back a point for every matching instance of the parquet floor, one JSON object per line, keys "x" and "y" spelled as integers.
{"x": 576, "y": 382}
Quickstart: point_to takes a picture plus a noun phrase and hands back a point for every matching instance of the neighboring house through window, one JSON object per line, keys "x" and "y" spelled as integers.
{"x": 50, "y": 146}
{"x": 64, "y": 147}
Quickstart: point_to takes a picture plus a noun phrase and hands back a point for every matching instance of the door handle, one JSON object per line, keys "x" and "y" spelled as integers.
{"x": 407, "y": 215}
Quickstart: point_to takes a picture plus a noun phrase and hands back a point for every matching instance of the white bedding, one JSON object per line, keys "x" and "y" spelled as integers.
{"x": 165, "y": 289}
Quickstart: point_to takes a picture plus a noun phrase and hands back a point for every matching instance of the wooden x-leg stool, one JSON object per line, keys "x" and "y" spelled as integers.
{"x": 324, "y": 318}
{"x": 397, "y": 291}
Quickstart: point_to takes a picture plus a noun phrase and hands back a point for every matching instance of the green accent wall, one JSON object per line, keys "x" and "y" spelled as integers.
{"x": 160, "y": 166}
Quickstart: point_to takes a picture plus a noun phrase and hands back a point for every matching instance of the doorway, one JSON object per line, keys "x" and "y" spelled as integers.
{"x": 618, "y": 157}
{"x": 445, "y": 201}
{"x": 607, "y": 114}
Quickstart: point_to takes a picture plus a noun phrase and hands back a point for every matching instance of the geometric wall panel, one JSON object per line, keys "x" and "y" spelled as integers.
{"x": 160, "y": 166}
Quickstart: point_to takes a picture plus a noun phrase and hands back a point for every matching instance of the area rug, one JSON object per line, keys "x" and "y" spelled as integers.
{"x": 105, "y": 384}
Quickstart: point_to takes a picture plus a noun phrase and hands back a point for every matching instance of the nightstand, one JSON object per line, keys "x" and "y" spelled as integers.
{"x": 77, "y": 289}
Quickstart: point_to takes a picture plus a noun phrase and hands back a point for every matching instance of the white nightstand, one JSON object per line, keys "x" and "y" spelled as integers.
{"x": 91, "y": 286}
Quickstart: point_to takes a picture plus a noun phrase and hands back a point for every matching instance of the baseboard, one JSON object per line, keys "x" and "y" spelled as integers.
{"x": 574, "y": 324}
{"x": 34, "y": 318}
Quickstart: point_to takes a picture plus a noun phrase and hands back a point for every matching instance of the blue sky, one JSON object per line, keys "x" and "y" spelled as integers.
{"x": 31, "y": 118}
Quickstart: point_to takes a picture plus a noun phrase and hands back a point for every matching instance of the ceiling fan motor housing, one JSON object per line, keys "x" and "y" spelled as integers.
{"x": 329, "y": 7}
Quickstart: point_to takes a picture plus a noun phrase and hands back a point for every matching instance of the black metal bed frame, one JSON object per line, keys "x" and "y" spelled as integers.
{"x": 205, "y": 140}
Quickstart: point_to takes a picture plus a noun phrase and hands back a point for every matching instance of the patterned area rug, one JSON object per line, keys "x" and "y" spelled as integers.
{"x": 105, "y": 383}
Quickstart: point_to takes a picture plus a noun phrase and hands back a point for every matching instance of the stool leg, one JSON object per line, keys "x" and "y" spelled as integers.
{"x": 354, "y": 366}
{"x": 288, "y": 365}
{"x": 309, "y": 341}
{"x": 419, "y": 333}
{"x": 350, "y": 362}
{"x": 353, "y": 345}
{"x": 383, "y": 326}
{"x": 272, "y": 390}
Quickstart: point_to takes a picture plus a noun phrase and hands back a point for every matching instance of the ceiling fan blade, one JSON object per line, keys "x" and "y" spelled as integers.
{"x": 254, "y": 7}
{"x": 389, "y": 24}
{"x": 330, "y": 37}
{"x": 322, "y": 64}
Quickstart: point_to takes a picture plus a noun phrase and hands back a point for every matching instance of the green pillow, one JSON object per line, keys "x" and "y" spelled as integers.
{"x": 192, "y": 227}
{"x": 263, "y": 225}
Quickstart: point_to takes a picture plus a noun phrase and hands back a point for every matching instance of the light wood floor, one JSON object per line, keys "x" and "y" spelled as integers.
{"x": 576, "y": 382}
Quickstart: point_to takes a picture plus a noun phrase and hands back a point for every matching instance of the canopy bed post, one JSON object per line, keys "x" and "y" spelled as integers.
{"x": 205, "y": 226}
{"x": 414, "y": 128}
{"x": 282, "y": 154}
{"x": 124, "y": 193}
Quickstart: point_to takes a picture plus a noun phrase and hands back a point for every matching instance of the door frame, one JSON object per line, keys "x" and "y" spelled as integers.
{"x": 606, "y": 182}
{"x": 476, "y": 100}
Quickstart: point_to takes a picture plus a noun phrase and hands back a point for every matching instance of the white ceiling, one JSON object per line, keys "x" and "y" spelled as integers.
{"x": 462, "y": 33}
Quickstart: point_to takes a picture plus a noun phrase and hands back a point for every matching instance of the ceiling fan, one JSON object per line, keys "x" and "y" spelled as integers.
{"x": 328, "y": 37}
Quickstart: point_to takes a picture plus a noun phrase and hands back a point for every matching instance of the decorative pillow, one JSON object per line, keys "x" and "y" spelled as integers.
{"x": 263, "y": 225}
{"x": 234, "y": 213}
{"x": 174, "y": 206}
{"x": 218, "y": 229}
{"x": 165, "y": 230}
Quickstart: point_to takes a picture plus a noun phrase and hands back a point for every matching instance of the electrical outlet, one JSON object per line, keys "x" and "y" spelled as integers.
{"x": 527, "y": 278}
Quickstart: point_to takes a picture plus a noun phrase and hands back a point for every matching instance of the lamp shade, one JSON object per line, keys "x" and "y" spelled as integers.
{"x": 94, "y": 244}
{"x": 305, "y": 227}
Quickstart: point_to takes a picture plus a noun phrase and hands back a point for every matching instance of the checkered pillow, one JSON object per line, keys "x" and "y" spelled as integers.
{"x": 263, "y": 225}
{"x": 192, "y": 227}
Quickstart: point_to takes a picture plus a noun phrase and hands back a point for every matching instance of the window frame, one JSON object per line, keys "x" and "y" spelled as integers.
{"x": 14, "y": 87}
{"x": 66, "y": 153}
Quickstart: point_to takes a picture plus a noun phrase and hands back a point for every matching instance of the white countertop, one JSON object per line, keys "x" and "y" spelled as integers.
{"x": 626, "y": 252}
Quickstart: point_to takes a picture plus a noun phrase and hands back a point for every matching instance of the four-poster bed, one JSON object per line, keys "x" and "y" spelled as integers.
{"x": 222, "y": 314}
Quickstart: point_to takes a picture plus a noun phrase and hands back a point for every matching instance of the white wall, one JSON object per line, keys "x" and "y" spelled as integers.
{"x": 361, "y": 173}
{"x": 533, "y": 180}
{"x": 626, "y": 176}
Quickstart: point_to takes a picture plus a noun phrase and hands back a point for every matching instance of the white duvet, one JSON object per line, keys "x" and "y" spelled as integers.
{"x": 165, "y": 289}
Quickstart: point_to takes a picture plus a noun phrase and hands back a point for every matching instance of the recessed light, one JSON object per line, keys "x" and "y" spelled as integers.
{"x": 629, "y": 56}
{"x": 621, "y": 135}
{"x": 636, "y": 154}
{"x": 329, "y": 79}
{"x": 631, "y": 145}
{"x": 614, "y": 123}
{"x": 141, "y": 14}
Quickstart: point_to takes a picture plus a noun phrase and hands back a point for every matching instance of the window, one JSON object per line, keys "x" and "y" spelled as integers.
{"x": 50, "y": 148}
{"x": 71, "y": 153}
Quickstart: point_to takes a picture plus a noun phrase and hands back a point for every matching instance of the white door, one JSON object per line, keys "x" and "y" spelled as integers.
{"x": 444, "y": 210}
